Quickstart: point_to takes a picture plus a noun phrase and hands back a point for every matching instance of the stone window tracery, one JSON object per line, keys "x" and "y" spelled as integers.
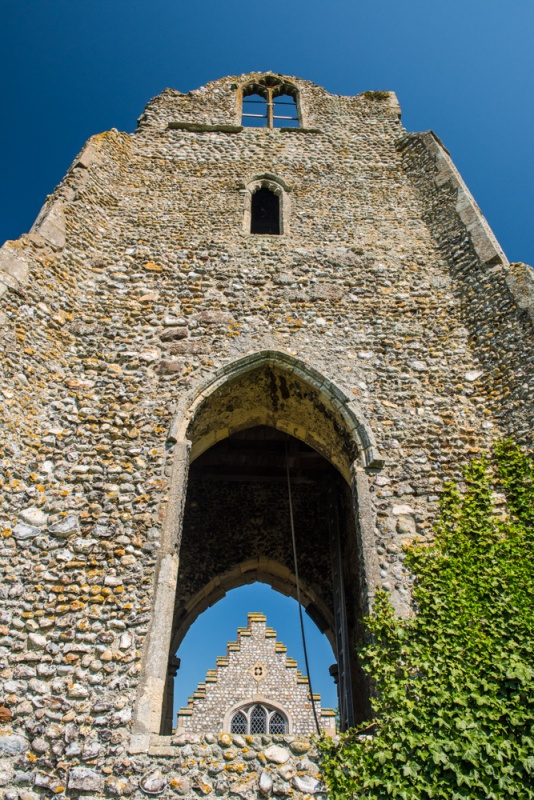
{"x": 270, "y": 103}
{"x": 258, "y": 671}
{"x": 257, "y": 719}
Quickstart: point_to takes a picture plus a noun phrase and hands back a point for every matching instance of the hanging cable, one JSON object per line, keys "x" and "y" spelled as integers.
{"x": 296, "y": 566}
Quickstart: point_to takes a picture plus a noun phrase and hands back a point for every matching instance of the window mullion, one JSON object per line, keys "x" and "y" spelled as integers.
{"x": 270, "y": 109}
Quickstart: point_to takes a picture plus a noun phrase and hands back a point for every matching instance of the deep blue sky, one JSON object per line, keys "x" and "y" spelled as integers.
{"x": 464, "y": 68}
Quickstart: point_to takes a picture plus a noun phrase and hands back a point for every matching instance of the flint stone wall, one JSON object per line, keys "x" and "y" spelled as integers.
{"x": 236, "y": 766}
{"x": 187, "y": 765}
{"x": 135, "y": 285}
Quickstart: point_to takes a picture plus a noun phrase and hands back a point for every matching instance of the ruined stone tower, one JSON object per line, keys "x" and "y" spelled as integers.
{"x": 200, "y": 307}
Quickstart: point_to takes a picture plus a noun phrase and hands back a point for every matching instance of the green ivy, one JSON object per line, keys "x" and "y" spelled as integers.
{"x": 454, "y": 684}
{"x": 376, "y": 95}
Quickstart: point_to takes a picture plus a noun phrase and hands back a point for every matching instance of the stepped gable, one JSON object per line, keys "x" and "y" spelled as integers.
{"x": 256, "y": 672}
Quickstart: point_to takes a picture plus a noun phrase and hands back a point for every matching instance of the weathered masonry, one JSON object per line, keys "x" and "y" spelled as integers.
{"x": 198, "y": 306}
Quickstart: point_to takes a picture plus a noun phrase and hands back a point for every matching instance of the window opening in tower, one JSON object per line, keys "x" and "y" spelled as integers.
{"x": 265, "y": 212}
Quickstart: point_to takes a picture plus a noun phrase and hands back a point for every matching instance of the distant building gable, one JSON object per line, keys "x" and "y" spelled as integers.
{"x": 255, "y": 688}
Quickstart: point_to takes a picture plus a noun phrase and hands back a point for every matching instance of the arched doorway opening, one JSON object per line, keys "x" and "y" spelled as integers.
{"x": 273, "y": 394}
{"x": 237, "y": 530}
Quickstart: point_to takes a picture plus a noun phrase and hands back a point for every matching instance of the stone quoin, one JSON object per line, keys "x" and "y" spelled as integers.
{"x": 201, "y": 307}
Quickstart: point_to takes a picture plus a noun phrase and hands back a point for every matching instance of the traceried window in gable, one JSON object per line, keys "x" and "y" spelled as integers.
{"x": 270, "y": 103}
{"x": 258, "y": 718}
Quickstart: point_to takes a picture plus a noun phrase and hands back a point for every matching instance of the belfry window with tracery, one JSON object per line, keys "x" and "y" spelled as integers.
{"x": 258, "y": 718}
{"x": 270, "y": 103}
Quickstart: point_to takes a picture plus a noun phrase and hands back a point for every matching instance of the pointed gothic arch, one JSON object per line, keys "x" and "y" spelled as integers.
{"x": 262, "y": 570}
{"x": 275, "y": 216}
{"x": 342, "y": 437}
{"x": 278, "y": 392}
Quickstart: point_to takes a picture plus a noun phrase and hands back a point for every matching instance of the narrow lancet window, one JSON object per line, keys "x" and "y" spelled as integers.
{"x": 265, "y": 212}
{"x": 258, "y": 720}
{"x": 277, "y": 723}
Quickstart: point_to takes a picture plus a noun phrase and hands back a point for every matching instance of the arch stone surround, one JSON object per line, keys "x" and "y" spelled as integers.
{"x": 278, "y": 187}
{"x": 330, "y": 402}
{"x": 265, "y": 388}
{"x": 261, "y": 570}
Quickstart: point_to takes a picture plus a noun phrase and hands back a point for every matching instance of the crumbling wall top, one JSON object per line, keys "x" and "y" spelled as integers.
{"x": 219, "y": 103}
